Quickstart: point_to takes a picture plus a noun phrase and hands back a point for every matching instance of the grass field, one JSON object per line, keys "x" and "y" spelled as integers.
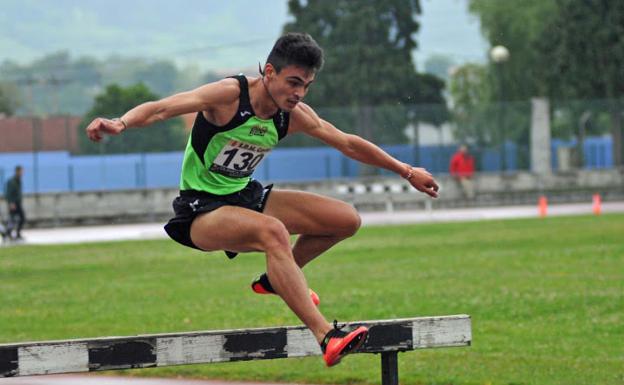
{"x": 546, "y": 297}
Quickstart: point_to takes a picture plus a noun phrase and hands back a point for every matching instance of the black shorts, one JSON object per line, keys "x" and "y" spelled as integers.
{"x": 191, "y": 203}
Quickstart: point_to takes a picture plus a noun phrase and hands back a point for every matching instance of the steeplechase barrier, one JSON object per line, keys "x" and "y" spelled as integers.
{"x": 386, "y": 337}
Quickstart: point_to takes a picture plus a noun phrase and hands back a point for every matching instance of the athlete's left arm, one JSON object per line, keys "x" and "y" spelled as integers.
{"x": 305, "y": 120}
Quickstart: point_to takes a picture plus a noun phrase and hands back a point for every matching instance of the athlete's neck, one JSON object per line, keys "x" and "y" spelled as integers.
{"x": 262, "y": 102}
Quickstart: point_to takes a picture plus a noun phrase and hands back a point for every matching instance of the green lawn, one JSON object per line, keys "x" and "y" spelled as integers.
{"x": 546, "y": 298}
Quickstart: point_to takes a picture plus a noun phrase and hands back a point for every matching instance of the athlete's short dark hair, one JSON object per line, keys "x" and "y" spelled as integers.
{"x": 295, "y": 48}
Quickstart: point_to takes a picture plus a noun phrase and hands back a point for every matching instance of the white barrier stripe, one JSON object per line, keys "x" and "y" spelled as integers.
{"x": 47, "y": 357}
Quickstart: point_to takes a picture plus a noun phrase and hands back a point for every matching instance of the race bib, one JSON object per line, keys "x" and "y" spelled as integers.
{"x": 238, "y": 159}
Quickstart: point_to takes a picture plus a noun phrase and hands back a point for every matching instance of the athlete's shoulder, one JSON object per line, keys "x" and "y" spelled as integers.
{"x": 224, "y": 91}
{"x": 303, "y": 118}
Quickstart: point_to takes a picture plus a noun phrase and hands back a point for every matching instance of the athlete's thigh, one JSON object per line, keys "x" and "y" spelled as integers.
{"x": 307, "y": 213}
{"x": 231, "y": 228}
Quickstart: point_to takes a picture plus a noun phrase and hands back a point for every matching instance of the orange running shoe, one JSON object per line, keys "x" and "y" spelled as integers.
{"x": 261, "y": 285}
{"x": 338, "y": 343}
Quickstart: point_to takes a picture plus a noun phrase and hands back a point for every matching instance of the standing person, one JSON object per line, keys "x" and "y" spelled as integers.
{"x": 239, "y": 120}
{"x": 462, "y": 170}
{"x": 13, "y": 194}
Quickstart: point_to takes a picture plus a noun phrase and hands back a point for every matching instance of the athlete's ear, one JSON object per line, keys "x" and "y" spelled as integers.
{"x": 269, "y": 70}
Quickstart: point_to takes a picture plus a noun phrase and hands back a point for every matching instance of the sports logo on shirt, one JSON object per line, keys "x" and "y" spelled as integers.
{"x": 258, "y": 130}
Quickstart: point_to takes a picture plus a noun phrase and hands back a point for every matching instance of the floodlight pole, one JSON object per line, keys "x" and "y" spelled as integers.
{"x": 499, "y": 55}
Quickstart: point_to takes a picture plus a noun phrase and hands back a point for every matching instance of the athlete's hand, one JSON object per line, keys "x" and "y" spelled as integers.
{"x": 423, "y": 181}
{"x": 100, "y": 126}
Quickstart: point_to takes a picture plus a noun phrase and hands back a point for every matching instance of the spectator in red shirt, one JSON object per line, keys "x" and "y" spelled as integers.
{"x": 462, "y": 170}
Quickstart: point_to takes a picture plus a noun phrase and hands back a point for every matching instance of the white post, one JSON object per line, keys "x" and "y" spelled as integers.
{"x": 540, "y": 136}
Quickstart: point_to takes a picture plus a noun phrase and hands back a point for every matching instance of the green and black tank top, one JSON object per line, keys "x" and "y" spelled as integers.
{"x": 220, "y": 160}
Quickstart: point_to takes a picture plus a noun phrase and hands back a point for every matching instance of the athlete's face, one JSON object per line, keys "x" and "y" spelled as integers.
{"x": 289, "y": 86}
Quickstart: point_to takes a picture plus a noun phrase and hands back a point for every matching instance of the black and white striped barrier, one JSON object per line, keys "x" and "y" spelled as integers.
{"x": 387, "y": 337}
{"x": 390, "y": 195}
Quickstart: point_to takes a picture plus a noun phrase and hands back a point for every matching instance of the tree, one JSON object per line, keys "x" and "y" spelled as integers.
{"x": 481, "y": 119}
{"x": 469, "y": 89}
{"x": 518, "y": 26}
{"x": 584, "y": 46}
{"x": 507, "y": 87}
{"x": 439, "y": 65}
{"x": 569, "y": 50}
{"x": 160, "y": 76}
{"x": 9, "y": 99}
{"x": 56, "y": 83}
{"x": 369, "y": 84}
{"x": 209, "y": 77}
{"x": 115, "y": 101}
{"x": 53, "y": 83}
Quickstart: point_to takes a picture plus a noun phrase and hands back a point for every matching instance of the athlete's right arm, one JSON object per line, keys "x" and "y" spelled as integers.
{"x": 204, "y": 98}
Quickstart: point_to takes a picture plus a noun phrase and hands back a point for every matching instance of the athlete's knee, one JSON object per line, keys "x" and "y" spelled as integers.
{"x": 349, "y": 223}
{"x": 274, "y": 236}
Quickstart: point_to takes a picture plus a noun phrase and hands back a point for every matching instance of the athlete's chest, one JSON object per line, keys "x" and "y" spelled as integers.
{"x": 237, "y": 152}
{"x": 254, "y": 131}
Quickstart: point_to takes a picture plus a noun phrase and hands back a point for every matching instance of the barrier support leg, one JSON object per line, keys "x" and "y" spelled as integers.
{"x": 389, "y": 368}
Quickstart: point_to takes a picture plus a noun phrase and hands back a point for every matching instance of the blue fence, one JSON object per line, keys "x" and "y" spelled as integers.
{"x": 60, "y": 171}
{"x": 597, "y": 151}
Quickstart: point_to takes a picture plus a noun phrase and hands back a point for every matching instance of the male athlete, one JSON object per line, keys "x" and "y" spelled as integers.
{"x": 239, "y": 120}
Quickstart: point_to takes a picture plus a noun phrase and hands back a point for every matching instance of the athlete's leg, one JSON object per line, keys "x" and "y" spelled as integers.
{"x": 321, "y": 221}
{"x": 238, "y": 229}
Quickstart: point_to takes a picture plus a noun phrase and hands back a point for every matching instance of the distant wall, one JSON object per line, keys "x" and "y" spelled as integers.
{"x": 381, "y": 193}
{"x": 58, "y": 171}
{"x": 26, "y": 134}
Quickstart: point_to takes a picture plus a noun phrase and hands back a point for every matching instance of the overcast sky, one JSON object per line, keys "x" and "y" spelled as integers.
{"x": 210, "y": 33}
